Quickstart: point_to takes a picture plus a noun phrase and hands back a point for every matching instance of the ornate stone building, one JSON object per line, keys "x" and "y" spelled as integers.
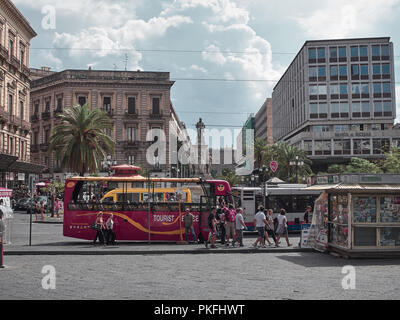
{"x": 136, "y": 101}
{"x": 15, "y": 36}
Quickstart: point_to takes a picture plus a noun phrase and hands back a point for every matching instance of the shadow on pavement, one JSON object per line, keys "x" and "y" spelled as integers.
{"x": 317, "y": 260}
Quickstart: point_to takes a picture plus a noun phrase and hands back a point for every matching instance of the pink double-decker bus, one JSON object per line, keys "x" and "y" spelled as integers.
{"x": 145, "y": 217}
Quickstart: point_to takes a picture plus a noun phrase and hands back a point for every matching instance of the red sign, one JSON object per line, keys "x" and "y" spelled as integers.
{"x": 274, "y": 166}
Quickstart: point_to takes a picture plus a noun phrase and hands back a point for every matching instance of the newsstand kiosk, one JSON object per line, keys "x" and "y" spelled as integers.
{"x": 357, "y": 216}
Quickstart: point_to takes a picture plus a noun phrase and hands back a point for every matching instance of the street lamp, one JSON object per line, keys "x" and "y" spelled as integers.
{"x": 263, "y": 173}
{"x": 297, "y": 163}
{"x": 252, "y": 180}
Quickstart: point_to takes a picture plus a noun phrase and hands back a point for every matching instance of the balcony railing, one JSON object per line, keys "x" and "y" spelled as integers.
{"x": 56, "y": 112}
{"x": 131, "y": 144}
{"x": 34, "y": 148}
{"x": 34, "y": 117}
{"x": 156, "y": 115}
{"x": 110, "y": 112}
{"x": 44, "y": 147}
{"x": 131, "y": 115}
{"x": 46, "y": 115}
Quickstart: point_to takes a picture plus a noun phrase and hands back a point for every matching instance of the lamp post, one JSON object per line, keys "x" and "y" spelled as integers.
{"x": 252, "y": 180}
{"x": 263, "y": 172}
{"x": 297, "y": 163}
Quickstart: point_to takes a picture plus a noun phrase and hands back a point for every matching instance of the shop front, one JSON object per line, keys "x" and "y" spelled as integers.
{"x": 361, "y": 216}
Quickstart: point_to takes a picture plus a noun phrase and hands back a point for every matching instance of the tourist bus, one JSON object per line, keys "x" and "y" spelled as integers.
{"x": 291, "y": 197}
{"x": 140, "y": 220}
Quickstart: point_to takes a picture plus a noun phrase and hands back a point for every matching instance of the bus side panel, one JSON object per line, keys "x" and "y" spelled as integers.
{"x": 132, "y": 226}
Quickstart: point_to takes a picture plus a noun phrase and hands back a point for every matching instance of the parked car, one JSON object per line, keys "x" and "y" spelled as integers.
{"x": 22, "y": 204}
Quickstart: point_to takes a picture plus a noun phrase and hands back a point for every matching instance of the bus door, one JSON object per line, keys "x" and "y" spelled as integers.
{"x": 205, "y": 210}
{"x": 249, "y": 208}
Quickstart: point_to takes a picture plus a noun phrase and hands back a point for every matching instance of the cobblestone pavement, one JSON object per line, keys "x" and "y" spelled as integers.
{"x": 219, "y": 276}
{"x": 276, "y": 275}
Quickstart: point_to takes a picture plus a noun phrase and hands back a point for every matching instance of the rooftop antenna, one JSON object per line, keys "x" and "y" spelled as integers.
{"x": 115, "y": 66}
{"x": 126, "y": 60}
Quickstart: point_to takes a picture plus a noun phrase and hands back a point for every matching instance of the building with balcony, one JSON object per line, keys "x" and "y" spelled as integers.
{"x": 136, "y": 102}
{"x": 15, "y": 36}
{"x": 336, "y": 100}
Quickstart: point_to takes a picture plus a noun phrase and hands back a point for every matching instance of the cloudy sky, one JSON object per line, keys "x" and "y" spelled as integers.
{"x": 202, "y": 39}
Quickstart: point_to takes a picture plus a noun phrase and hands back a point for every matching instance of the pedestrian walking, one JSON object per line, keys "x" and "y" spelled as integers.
{"x": 57, "y": 207}
{"x": 36, "y": 209}
{"x": 269, "y": 227}
{"x": 260, "y": 222}
{"x": 307, "y": 214}
{"x": 41, "y": 209}
{"x": 110, "y": 234}
{"x": 99, "y": 227}
{"x": 282, "y": 228}
{"x": 188, "y": 219}
{"x": 239, "y": 226}
{"x": 230, "y": 223}
{"x": 221, "y": 225}
{"x": 212, "y": 225}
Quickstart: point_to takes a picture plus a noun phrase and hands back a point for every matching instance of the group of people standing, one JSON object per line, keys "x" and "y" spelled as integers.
{"x": 227, "y": 223}
{"x": 104, "y": 230}
{"x": 265, "y": 227}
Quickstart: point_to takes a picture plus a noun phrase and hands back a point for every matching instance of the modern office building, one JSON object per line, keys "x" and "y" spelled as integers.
{"x": 136, "y": 101}
{"x": 336, "y": 100}
{"x": 263, "y": 122}
{"x": 15, "y": 36}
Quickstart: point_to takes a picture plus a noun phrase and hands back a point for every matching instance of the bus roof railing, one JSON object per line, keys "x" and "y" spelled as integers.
{"x": 137, "y": 179}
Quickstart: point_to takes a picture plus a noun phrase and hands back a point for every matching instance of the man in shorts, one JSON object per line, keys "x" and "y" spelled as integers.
{"x": 260, "y": 222}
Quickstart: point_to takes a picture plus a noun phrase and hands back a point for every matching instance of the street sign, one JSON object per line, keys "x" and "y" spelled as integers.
{"x": 274, "y": 166}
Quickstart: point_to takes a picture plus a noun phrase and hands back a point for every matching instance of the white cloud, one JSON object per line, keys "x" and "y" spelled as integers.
{"x": 213, "y": 54}
{"x": 341, "y": 18}
{"x": 223, "y": 10}
{"x": 107, "y": 41}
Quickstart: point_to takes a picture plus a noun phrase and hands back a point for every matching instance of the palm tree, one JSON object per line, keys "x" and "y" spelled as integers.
{"x": 287, "y": 153}
{"x": 80, "y": 141}
{"x": 260, "y": 146}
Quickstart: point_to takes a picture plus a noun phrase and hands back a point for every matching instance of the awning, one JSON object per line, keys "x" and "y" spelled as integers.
{"x": 5, "y": 192}
{"x": 358, "y": 187}
{"x": 6, "y": 161}
{"x": 26, "y": 167}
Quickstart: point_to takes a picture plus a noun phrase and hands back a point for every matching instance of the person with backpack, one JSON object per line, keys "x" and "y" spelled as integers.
{"x": 230, "y": 223}
{"x": 212, "y": 225}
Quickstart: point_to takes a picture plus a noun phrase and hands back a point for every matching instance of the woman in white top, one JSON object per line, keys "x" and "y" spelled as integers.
{"x": 282, "y": 227}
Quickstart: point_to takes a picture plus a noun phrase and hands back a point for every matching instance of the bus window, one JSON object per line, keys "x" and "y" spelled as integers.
{"x": 158, "y": 196}
{"x": 109, "y": 199}
{"x": 131, "y": 197}
{"x": 170, "y": 197}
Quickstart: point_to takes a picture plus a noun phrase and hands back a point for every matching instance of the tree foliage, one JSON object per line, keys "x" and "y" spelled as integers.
{"x": 80, "y": 140}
